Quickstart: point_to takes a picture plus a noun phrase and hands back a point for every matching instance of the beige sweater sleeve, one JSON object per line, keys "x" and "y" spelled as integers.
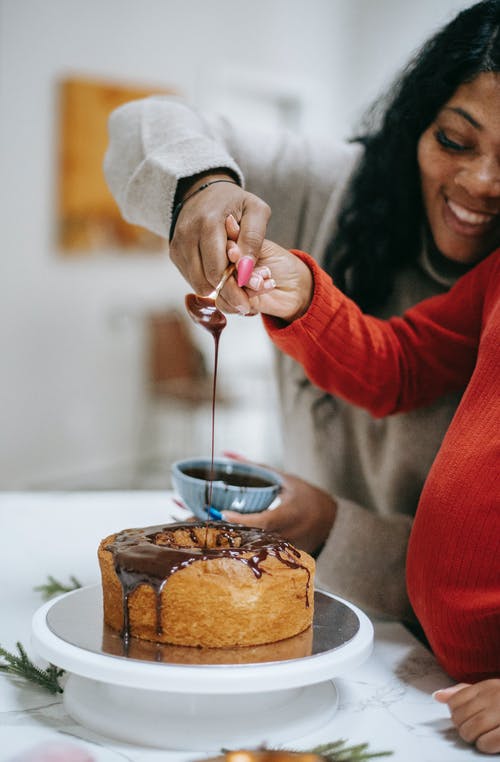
{"x": 155, "y": 142}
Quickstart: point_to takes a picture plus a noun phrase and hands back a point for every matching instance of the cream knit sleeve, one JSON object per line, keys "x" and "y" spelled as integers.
{"x": 155, "y": 142}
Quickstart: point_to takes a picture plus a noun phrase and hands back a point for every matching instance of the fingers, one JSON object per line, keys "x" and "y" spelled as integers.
{"x": 232, "y": 228}
{"x": 248, "y": 519}
{"x": 245, "y": 269}
{"x": 198, "y": 247}
{"x": 444, "y": 695}
{"x": 478, "y": 723}
{"x": 253, "y": 226}
{"x": 198, "y": 250}
{"x": 245, "y": 264}
{"x": 243, "y": 459}
{"x": 475, "y": 711}
{"x": 264, "y": 520}
{"x": 489, "y": 743}
{"x": 213, "y": 242}
{"x": 249, "y": 233}
{"x": 235, "y": 456}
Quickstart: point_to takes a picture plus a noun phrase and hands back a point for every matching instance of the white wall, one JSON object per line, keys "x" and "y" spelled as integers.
{"x": 381, "y": 36}
{"x": 71, "y": 343}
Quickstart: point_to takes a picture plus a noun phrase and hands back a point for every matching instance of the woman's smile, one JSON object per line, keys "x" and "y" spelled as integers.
{"x": 468, "y": 221}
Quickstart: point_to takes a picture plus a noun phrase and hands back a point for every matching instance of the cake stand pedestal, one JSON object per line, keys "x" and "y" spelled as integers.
{"x": 198, "y": 707}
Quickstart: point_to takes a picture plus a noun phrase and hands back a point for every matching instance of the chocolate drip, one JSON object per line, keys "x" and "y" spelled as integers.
{"x": 150, "y": 556}
{"x": 204, "y": 312}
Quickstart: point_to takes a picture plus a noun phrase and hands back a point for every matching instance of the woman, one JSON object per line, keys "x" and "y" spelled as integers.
{"x": 446, "y": 342}
{"x": 390, "y": 227}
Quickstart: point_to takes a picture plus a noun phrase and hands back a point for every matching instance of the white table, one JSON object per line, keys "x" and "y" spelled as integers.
{"x": 386, "y": 702}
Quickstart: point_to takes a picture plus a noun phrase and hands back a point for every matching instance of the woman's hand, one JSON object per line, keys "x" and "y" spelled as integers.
{"x": 199, "y": 245}
{"x": 304, "y": 517}
{"x": 475, "y": 710}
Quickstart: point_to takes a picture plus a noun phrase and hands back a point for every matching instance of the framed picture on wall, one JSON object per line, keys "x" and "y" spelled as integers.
{"x": 88, "y": 219}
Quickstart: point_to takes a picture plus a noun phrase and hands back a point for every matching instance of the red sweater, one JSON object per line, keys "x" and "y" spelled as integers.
{"x": 445, "y": 343}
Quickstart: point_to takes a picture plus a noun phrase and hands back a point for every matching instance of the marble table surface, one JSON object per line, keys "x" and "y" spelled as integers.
{"x": 386, "y": 701}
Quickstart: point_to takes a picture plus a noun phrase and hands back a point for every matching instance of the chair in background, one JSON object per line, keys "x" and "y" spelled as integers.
{"x": 176, "y": 366}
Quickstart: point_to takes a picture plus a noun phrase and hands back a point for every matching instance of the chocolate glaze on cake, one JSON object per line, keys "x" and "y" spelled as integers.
{"x": 151, "y": 555}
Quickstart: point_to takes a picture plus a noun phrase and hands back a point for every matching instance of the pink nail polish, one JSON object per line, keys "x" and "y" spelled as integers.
{"x": 245, "y": 269}
{"x": 233, "y": 455}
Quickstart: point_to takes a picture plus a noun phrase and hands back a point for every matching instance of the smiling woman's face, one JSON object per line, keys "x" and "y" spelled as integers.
{"x": 459, "y": 162}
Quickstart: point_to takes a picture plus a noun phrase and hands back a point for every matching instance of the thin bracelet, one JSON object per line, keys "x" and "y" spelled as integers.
{"x": 179, "y": 206}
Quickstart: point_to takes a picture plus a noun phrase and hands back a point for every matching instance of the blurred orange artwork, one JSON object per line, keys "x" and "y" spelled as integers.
{"x": 88, "y": 217}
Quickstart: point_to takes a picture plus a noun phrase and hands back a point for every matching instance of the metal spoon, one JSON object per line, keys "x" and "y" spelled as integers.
{"x": 202, "y": 309}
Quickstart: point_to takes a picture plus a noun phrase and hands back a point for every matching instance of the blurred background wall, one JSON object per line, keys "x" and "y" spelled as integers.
{"x": 75, "y": 407}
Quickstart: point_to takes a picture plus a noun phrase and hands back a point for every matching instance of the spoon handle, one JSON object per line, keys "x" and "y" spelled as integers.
{"x": 225, "y": 275}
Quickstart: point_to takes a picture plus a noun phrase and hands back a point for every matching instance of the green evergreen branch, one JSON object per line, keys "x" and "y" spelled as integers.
{"x": 339, "y": 752}
{"x": 54, "y": 587}
{"x": 335, "y": 751}
{"x": 22, "y": 666}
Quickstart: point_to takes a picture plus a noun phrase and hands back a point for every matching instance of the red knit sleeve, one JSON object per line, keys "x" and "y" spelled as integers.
{"x": 388, "y": 366}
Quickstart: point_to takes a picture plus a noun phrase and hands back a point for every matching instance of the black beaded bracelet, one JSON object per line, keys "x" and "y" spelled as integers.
{"x": 179, "y": 206}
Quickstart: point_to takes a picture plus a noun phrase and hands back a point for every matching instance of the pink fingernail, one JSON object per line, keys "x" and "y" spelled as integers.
{"x": 233, "y": 455}
{"x": 245, "y": 269}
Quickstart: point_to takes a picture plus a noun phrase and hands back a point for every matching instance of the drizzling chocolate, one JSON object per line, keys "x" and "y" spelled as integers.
{"x": 203, "y": 311}
{"x": 151, "y": 555}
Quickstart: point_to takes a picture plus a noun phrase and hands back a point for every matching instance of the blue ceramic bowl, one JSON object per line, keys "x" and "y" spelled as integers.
{"x": 236, "y": 486}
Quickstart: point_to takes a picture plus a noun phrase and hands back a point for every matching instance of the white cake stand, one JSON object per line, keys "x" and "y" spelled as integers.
{"x": 198, "y": 707}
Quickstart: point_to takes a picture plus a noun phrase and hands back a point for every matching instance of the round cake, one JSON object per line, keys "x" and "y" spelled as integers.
{"x": 211, "y": 584}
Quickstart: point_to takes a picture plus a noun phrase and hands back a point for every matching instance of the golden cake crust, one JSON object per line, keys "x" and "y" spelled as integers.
{"x": 223, "y": 597}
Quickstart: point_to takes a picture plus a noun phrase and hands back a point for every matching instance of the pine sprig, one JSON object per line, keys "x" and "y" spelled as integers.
{"x": 22, "y": 666}
{"x": 339, "y": 752}
{"x": 54, "y": 587}
{"x": 335, "y": 751}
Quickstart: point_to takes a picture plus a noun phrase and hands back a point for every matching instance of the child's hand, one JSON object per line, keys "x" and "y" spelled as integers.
{"x": 280, "y": 285}
{"x": 475, "y": 710}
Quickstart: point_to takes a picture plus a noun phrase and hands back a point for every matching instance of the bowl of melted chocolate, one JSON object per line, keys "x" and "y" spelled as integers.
{"x": 224, "y": 484}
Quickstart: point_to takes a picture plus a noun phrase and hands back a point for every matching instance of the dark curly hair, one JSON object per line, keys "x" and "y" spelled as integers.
{"x": 369, "y": 248}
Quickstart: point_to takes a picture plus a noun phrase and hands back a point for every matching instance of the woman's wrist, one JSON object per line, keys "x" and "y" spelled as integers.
{"x": 188, "y": 185}
{"x": 197, "y": 186}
